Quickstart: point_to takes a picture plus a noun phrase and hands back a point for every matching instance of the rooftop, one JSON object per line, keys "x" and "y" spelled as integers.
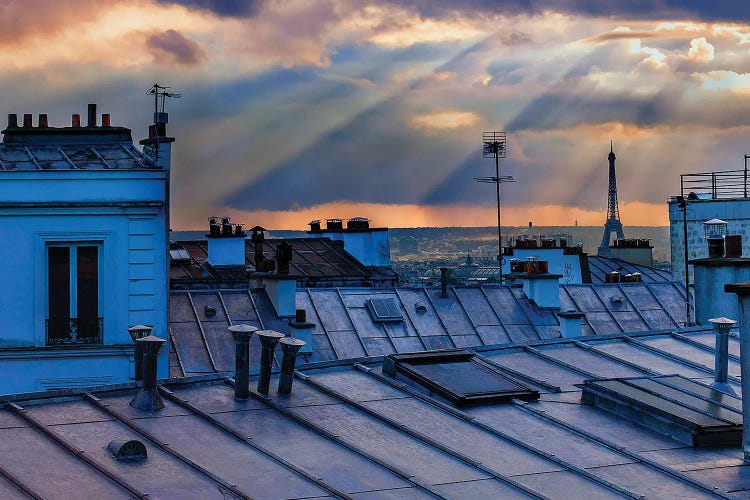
{"x": 349, "y": 431}
{"x": 472, "y": 316}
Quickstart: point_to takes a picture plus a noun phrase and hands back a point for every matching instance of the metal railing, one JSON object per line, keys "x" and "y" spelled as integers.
{"x": 715, "y": 185}
{"x": 73, "y": 331}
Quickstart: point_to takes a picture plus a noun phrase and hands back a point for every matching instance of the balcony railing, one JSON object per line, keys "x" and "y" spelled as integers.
{"x": 715, "y": 185}
{"x": 74, "y": 331}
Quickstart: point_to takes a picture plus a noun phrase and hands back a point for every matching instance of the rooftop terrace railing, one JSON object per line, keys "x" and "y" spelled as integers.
{"x": 715, "y": 185}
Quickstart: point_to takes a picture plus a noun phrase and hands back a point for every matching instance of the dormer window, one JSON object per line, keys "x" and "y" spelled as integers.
{"x": 73, "y": 294}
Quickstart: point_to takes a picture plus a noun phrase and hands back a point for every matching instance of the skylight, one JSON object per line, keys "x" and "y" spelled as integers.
{"x": 457, "y": 376}
{"x": 179, "y": 255}
{"x": 384, "y": 310}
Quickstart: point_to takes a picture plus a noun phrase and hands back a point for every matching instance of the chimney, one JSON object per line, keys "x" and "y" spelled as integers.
{"x": 106, "y": 120}
{"x": 257, "y": 238}
{"x": 539, "y": 285}
{"x": 301, "y": 329}
{"x": 148, "y": 398}
{"x": 289, "y": 349}
{"x": 570, "y": 324}
{"x": 282, "y": 291}
{"x": 138, "y": 332}
{"x": 43, "y": 123}
{"x": 633, "y": 250}
{"x": 27, "y": 120}
{"x": 444, "y": 282}
{"x": 12, "y": 120}
{"x": 268, "y": 341}
{"x": 721, "y": 370}
{"x": 92, "y": 116}
{"x": 227, "y": 248}
{"x": 743, "y": 299}
{"x": 733, "y": 246}
{"x": 242, "y": 334}
{"x": 75, "y": 120}
{"x": 710, "y": 275}
{"x": 368, "y": 245}
{"x": 158, "y": 145}
{"x": 283, "y": 257}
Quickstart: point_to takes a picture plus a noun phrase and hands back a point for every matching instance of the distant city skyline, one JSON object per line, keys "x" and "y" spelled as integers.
{"x": 297, "y": 110}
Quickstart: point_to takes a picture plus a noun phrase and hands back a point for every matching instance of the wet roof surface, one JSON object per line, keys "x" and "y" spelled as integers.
{"x": 468, "y": 317}
{"x": 314, "y": 260}
{"x": 110, "y": 156}
{"x": 600, "y": 267}
{"x": 350, "y": 431}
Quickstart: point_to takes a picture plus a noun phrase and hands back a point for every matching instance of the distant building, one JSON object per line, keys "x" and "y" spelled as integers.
{"x": 408, "y": 245}
{"x": 84, "y": 237}
{"x": 709, "y": 195}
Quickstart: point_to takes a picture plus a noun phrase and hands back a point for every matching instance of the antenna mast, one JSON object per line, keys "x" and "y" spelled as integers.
{"x": 160, "y": 93}
{"x": 495, "y": 145}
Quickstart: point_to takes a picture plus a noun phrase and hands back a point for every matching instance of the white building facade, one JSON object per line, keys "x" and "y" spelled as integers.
{"x": 83, "y": 224}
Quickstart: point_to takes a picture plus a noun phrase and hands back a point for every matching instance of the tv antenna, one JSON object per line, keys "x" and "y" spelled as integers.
{"x": 160, "y": 94}
{"x": 159, "y": 128}
{"x": 495, "y": 145}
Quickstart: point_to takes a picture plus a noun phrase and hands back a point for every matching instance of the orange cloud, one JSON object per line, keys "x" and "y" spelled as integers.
{"x": 634, "y": 214}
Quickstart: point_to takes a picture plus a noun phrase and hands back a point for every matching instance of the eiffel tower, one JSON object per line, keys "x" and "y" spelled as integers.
{"x": 613, "y": 224}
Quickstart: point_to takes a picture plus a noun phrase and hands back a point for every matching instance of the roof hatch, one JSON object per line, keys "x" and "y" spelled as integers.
{"x": 674, "y": 405}
{"x": 384, "y": 310}
{"x": 458, "y": 376}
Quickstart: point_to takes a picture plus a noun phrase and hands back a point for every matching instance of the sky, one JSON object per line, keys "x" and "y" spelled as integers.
{"x": 294, "y": 110}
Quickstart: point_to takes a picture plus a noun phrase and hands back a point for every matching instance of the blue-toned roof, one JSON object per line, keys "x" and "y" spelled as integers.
{"x": 108, "y": 156}
{"x": 348, "y": 431}
{"x": 468, "y": 317}
{"x": 600, "y": 267}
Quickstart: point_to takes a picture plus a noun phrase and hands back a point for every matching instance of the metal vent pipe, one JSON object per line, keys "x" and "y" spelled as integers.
{"x": 268, "y": 341}
{"x": 721, "y": 361}
{"x": 743, "y": 296}
{"x": 138, "y": 332}
{"x": 290, "y": 348}
{"x": 242, "y": 335}
{"x": 148, "y": 398}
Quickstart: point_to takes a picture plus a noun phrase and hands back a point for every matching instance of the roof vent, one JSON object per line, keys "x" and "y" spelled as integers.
{"x": 420, "y": 307}
{"x": 384, "y": 310}
{"x": 128, "y": 451}
{"x": 209, "y": 311}
{"x": 688, "y": 411}
{"x": 456, "y": 376}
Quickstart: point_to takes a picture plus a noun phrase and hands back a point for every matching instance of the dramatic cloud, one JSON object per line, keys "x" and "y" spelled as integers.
{"x": 376, "y": 108}
{"x": 172, "y": 47}
{"x": 229, "y": 8}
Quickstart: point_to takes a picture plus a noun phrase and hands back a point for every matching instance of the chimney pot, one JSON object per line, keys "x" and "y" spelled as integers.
{"x": 268, "y": 340}
{"x": 300, "y": 316}
{"x": 43, "y": 121}
{"x": 148, "y": 398}
{"x": 106, "y": 120}
{"x": 721, "y": 361}
{"x": 138, "y": 332}
{"x": 290, "y": 348}
{"x": 242, "y": 335}
{"x": 733, "y": 246}
{"x": 12, "y": 120}
{"x": 27, "y": 120}
{"x": 92, "y": 116}
{"x": 76, "y": 120}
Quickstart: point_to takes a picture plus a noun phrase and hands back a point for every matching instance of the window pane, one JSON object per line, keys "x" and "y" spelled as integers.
{"x": 59, "y": 291}
{"x": 87, "y": 291}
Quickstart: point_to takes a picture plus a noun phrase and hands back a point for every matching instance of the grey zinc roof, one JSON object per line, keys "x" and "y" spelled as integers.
{"x": 348, "y": 431}
{"x": 600, "y": 267}
{"x": 107, "y": 156}
{"x": 469, "y": 317}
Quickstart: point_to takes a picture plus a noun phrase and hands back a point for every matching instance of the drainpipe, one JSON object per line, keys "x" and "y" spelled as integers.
{"x": 268, "y": 341}
{"x": 721, "y": 370}
{"x": 148, "y": 398}
{"x": 289, "y": 348}
{"x": 743, "y": 297}
{"x": 242, "y": 334}
{"x": 138, "y": 332}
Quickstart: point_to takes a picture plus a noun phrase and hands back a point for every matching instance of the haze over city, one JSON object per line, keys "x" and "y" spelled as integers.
{"x": 294, "y": 110}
